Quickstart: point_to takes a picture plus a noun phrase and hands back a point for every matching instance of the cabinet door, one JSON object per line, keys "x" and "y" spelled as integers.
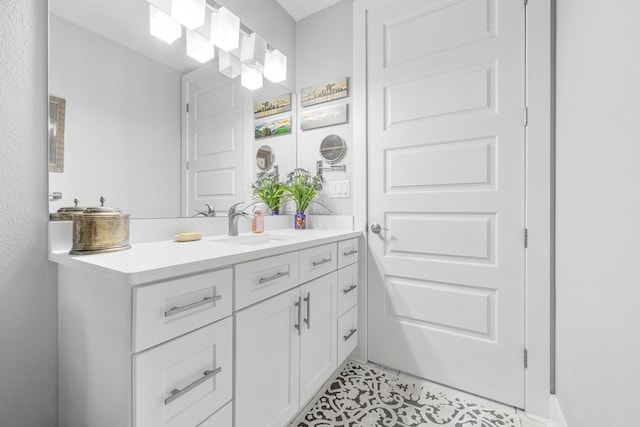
{"x": 267, "y": 361}
{"x": 182, "y": 382}
{"x": 318, "y": 354}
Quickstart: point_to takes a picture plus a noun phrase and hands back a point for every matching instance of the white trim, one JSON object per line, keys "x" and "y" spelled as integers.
{"x": 538, "y": 264}
{"x": 557, "y": 417}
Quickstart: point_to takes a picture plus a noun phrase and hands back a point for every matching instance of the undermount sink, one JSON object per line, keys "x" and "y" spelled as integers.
{"x": 255, "y": 239}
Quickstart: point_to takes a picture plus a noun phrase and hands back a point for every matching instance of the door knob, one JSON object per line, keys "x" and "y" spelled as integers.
{"x": 376, "y": 228}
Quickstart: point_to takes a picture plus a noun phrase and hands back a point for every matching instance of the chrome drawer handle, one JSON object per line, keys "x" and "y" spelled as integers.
{"x": 349, "y": 289}
{"x": 175, "y": 393}
{"x": 324, "y": 261}
{"x": 353, "y": 331}
{"x": 176, "y": 310}
{"x": 351, "y": 252}
{"x": 272, "y": 278}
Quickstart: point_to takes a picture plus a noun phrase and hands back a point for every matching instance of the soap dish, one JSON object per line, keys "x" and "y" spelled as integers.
{"x": 187, "y": 237}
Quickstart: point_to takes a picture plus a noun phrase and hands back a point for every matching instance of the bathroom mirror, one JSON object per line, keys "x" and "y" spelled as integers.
{"x": 265, "y": 157}
{"x": 125, "y": 119}
{"x": 333, "y": 149}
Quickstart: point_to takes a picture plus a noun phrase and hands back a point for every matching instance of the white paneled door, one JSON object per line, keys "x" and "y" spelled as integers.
{"x": 212, "y": 141}
{"x": 445, "y": 90}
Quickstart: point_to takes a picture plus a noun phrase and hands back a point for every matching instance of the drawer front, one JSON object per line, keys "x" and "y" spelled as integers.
{"x": 318, "y": 261}
{"x": 222, "y": 418}
{"x": 264, "y": 278}
{"x": 168, "y": 309}
{"x": 347, "y": 288}
{"x": 347, "y": 252}
{"x": 347, "y": 334}
{"x": 182, "y": 382}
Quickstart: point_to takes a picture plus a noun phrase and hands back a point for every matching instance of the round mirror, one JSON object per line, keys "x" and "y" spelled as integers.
{"x": 265, "y": 157}
{"x": 333, "y": 148}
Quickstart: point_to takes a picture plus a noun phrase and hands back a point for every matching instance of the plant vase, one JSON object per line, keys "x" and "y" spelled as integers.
{"x": 300, "y": 220}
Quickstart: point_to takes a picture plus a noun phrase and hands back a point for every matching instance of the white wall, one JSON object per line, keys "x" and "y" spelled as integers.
{"x": 28, "y": 308}
{"x": 324, "y": 46}
{"x": 122, "y": 125}
{"x": 598, "y": 211}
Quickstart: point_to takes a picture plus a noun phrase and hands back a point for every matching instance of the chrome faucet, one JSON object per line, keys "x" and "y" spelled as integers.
{"x": 209, "y": 212}
{"x": 234, "y": 215}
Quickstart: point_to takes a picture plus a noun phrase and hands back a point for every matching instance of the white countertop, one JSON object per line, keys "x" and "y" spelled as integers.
{"x": 152, "y": 261}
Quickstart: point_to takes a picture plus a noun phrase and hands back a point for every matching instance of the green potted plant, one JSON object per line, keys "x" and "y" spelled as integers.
{"x": 270, "y": 191}
{"x": 302, "y": 187}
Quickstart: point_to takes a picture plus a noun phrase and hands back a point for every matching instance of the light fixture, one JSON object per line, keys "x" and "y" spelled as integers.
{"x": 189, "y": 13}
{"x": 199, "y": 47}
{"x": 228, "y": 64}
{"x": 163, "y": 26}
{"x": 251, "y": 78}
{"x": 253, "y": 51}
{"x": 225, "y": 29}
{"x": 275, "y": 66}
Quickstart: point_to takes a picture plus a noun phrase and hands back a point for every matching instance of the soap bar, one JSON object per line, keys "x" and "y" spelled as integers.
{"x": 186, "y": 237}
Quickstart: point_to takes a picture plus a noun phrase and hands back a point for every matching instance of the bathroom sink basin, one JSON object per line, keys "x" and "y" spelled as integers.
{"x": 254, "y": 240}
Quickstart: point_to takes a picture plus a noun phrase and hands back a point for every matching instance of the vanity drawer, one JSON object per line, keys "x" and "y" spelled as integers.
{"x": 182, "y": 382}
{"x": 222, "y": 418}
{"x": 168, "y": 309}
{"x": 347, "y": 288}
{"x": 347, "y": 252}
{"x": 347, "y": 334}
{"x": 264, "y": 278}
{"x": 318, "y": 261}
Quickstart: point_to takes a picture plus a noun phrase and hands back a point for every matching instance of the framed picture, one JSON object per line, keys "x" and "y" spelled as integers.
{"x": 275, "y": 105}
{"x": 322, "y": 117}
{"x": 56, "y": 133}
{"x": 273, "y": 127}
{"x": 325, "y": 92}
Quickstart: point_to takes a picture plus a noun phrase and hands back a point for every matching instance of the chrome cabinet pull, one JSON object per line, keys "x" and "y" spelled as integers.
{"x": 297, "y": 325}
{"x": 175, "y": 393}
{"x": 353, "y": 331}
{"x": 351, "y": 252}
{"x": 274, "y": 277}
{"x": 307, "y": 299}
{"x": 324, "y": 261}
{"x": 176, "y": 310}
{"x": 349, "y": 289}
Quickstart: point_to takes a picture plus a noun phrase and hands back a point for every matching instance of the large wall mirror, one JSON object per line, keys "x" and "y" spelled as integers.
{"x": 127, "y": 132}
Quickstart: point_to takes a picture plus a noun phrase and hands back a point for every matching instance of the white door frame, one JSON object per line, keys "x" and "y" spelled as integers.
{"x": 538, "y": 191}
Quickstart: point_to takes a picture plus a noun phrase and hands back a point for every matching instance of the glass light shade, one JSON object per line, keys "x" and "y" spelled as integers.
{"x": 251, "y": 78}
{"x": 253, "y": 51}
{"x": 228, "y": 64}
{"x": 199, "y": 48}
{"x": 225, "y": 29}
{"x": 275, "y": 66}
{"x": 189, "y": 13}
{"x": 163, "y": 26}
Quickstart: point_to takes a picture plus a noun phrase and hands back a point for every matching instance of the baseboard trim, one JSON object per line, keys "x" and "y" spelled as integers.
{"x": 557, "y": 418}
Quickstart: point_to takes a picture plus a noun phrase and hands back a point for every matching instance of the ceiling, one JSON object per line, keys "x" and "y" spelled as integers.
{"x": 300, "y": 9}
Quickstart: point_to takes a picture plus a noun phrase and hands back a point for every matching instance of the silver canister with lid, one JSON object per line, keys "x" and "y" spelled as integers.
{"x": 66, "y": 213}
{"x": 100, "y": 229}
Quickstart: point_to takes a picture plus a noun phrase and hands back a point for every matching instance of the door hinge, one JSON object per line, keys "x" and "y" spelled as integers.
{"x": 526, "y": 358}
{"x": 187, "y": 107}
{"x": 187, "y": 165}
{"x": 526, "y": 116}
{"x": 526, "y": 238}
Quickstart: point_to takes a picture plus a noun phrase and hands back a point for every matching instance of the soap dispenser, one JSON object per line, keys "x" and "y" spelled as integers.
{"x": 258, "y": 222}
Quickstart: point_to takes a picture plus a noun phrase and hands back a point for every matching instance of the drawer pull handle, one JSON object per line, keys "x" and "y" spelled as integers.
{"x": 297, "y": 325}
{"x": 274, "y": 277}
{"x": 175, "y": 393}
{"x": 351, "y": 252}
{"x": 351, "y": 332}
{"x": 324, "y": 261}
{"x": 307, "y": 299}
{"x": 207, "y": 300}
{"x": 349, "y": 289}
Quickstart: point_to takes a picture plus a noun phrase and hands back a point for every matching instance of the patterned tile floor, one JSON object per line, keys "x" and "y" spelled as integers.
{"x": 369, "y": 395}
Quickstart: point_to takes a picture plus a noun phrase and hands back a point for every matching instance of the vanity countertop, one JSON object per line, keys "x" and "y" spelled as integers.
{"x": 152, "y": 261}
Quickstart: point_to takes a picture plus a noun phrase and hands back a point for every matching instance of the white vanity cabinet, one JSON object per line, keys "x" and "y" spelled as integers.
{"x": 159, "y": 354}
